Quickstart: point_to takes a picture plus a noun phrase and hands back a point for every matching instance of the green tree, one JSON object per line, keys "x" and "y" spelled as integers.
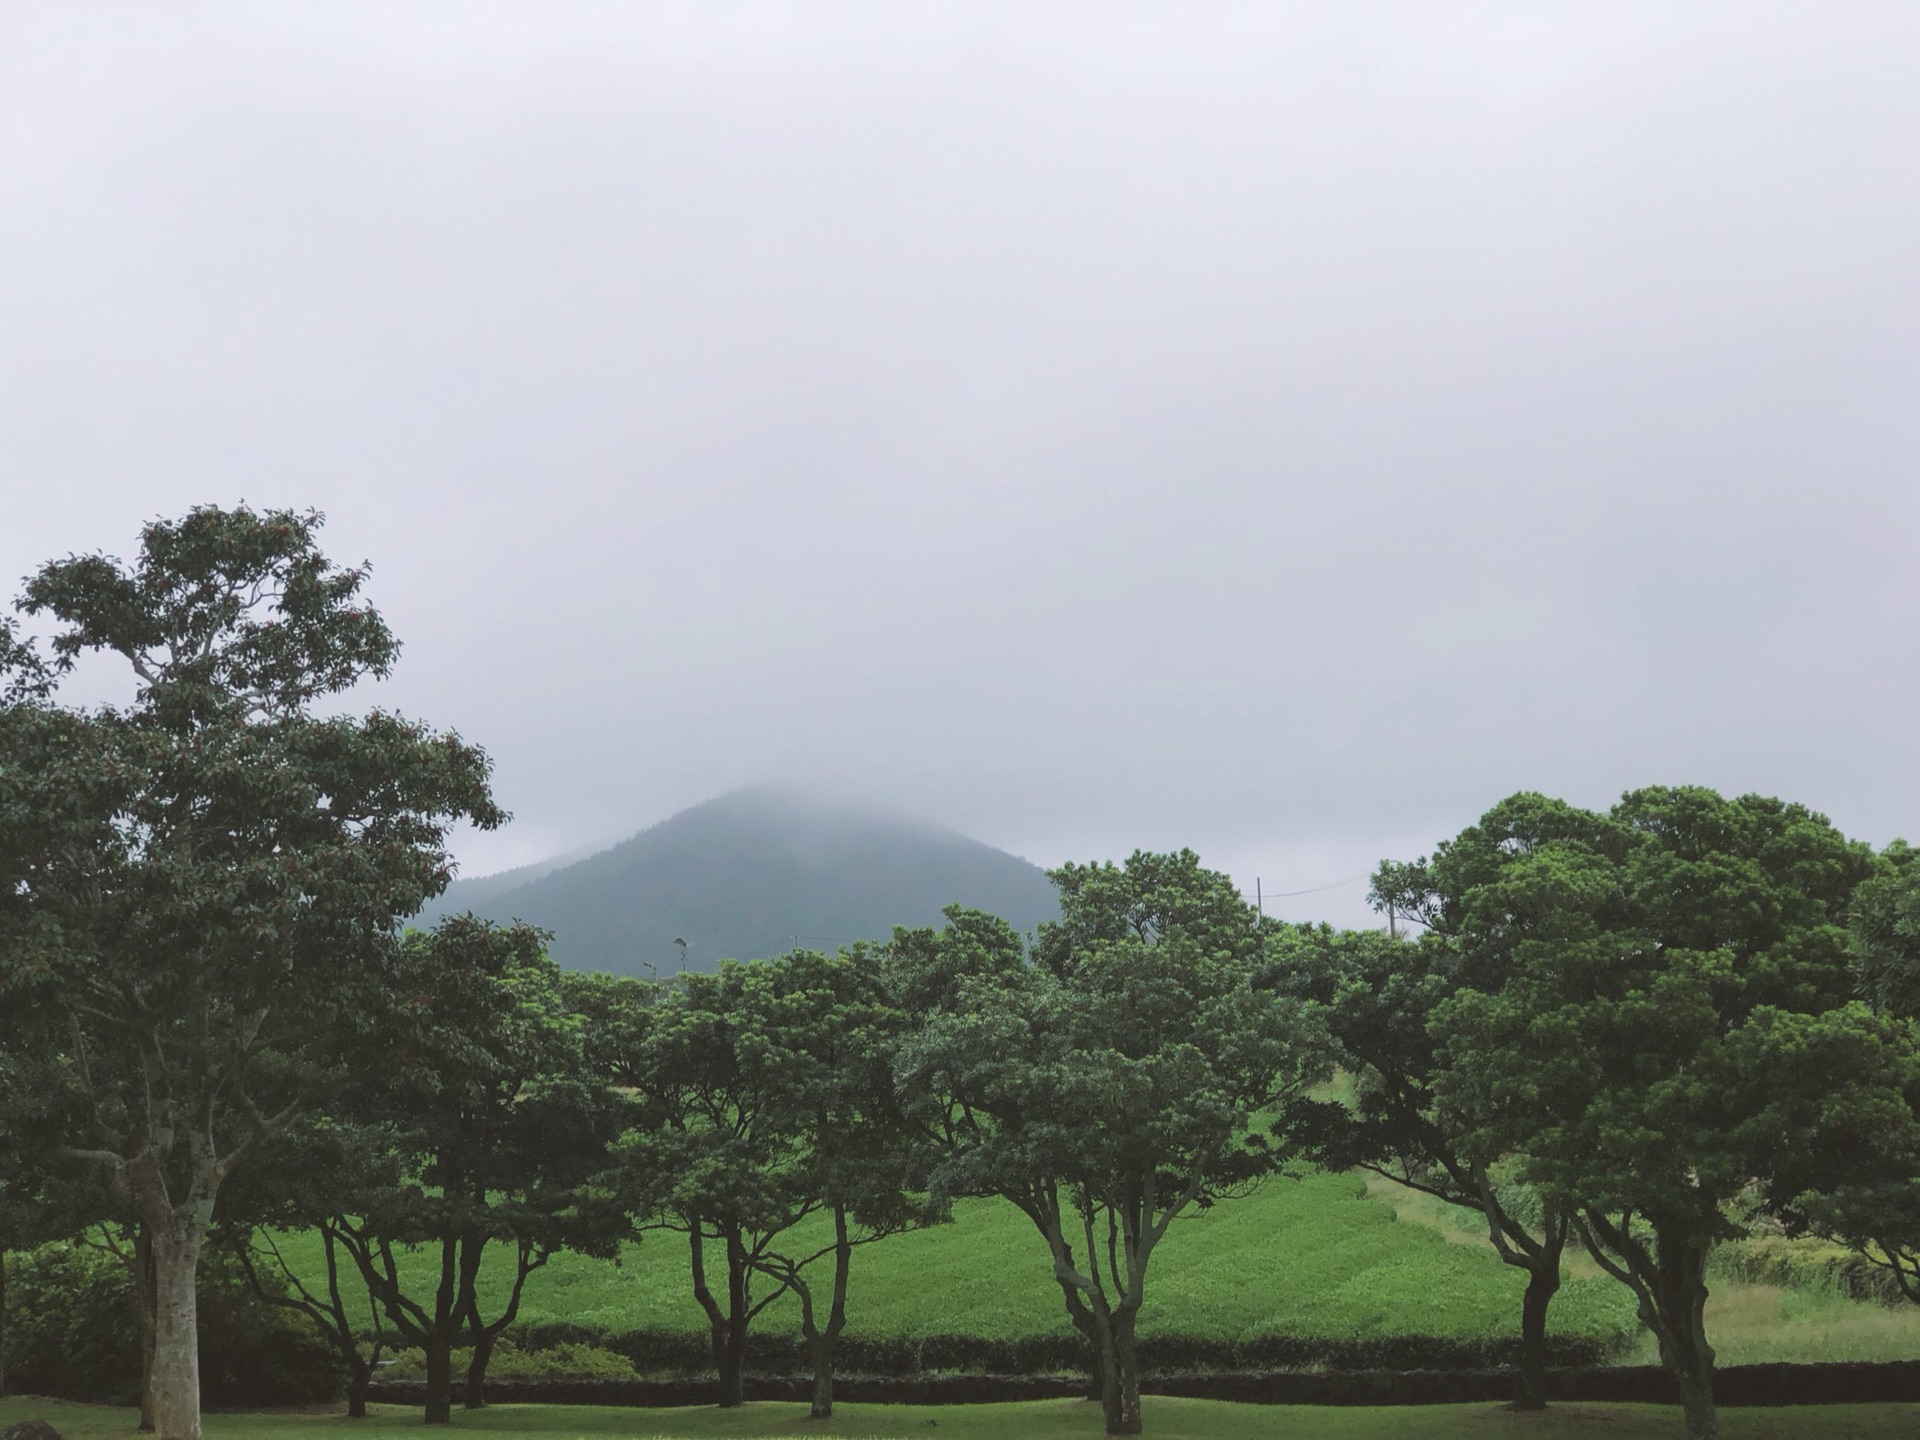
{"x": 471, "y": 1094}
{"x": 1380, "y": 994}
{"x": 205, "y": 876}
{"x": 1878, "y": 1212}
{"x": 820, "y": 1033}
{"x": 1665, "y": 1032}
{"x": 314, "y": 1176}
{"x": 715, "y": 1150}
{"x": 1112, "y": 1085}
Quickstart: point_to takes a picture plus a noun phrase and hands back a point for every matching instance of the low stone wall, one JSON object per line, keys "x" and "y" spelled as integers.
{"x": 1734, "y": 1385}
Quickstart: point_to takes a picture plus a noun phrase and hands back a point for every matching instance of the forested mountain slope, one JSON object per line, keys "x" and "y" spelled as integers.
{"x": 754, "y": 872}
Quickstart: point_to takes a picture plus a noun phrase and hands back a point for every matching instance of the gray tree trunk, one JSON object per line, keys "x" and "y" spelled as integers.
{"x": 176, "y": 1240}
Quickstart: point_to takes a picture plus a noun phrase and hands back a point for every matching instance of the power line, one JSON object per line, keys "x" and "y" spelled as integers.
{"x": 1319, "y": 889}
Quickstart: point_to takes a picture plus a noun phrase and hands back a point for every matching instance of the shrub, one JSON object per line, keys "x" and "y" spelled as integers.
{"x": 1804, "y": 1263}
{"x": 566, "y": 1360}
{"x": 72, "y": 1331}
{"x": 71, "y": 1327}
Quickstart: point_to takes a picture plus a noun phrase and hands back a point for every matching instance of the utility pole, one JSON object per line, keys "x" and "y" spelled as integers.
{"x": 1259, "y": 900}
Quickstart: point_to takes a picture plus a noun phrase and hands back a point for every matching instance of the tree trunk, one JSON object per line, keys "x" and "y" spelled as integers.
{"x": 1123, "y": 1412}
{"x": 475, "y": 1395}
{"x": 476, "y": 1392}
{"x": 439, "y": 1340}
{"x": 1106, "y": 1368}
{"x": 1543, "y": 1283}
{"x": 357, "y": 1382}
{"x": 733, "y": 1354}
{"x": 824, "y": 1341}
{"x": 439, "y": 1352}
{"x": 726, "y": 1329}
{"x": 1083, "y": 1321}
{"x": 1696, "y": 1403}
{"x": 176, "y": 1322}
{"x": 1683, "y": 1341}
{"x": 143, "y": 1305}
{"x": 1670, "y": 1283}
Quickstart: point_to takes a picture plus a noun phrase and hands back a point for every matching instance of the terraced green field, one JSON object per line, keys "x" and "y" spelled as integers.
{"x": 1313, "y": 1257}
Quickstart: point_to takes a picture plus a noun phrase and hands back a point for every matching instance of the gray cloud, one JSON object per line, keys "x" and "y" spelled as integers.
{"x": 1283, "y": 430}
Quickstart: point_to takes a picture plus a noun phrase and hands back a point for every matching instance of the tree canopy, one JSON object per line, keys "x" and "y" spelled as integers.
{"x": 203, "y": 878}
{"x": 1664, "y": 1031}
{"x": 1113, "y": 1084}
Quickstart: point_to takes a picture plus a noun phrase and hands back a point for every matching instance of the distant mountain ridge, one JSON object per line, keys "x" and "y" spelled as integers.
{"x": 751, "y": 873}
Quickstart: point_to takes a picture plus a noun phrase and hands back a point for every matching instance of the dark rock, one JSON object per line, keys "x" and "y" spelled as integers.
{"x": 35, "y": 1429}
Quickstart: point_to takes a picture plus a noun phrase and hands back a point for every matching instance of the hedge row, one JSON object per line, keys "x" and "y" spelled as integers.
{"x": 1845, "y": 1383}
{"x": 1807, "y": 1265}
{"x": 683, "y": 1353}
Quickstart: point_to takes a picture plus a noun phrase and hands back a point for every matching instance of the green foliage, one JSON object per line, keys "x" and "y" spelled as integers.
{"x": 1656, "y": 1019}
{"x": 1886, "y": 933}
{"x": 197, "y": 884}
{"x": 569, "y": 1360}
{"x": 1113, "y": 1084}
{"x": 72, "y": 1330}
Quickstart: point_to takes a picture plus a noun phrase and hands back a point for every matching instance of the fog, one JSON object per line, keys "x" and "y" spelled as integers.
{"x": 1283, "y": 430}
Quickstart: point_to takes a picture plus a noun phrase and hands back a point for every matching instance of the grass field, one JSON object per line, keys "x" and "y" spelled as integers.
{"x": 1166, "y": 1419}
{"x": 1329, "y": 1255}
{"x": 1749, "y": 1323}
{"x": 1317, "y": 1256}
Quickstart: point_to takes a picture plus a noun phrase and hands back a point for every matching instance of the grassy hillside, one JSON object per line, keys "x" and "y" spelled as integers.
{"x": 754, "y": 873}
{"x": 1314, "y": 1257}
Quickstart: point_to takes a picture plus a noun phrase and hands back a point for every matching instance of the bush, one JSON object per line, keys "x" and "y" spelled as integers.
{"x": 566, "y": 1360}
{"x": 679, "y": 1353}
{"x": 71, "y": 1327}
{"x": 72, "y": 1331}
{"x": 1804, "y": 1263}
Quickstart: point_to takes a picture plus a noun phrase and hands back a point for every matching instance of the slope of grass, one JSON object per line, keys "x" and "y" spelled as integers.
{"x": 1166, "y": 1419}
{"x": 1313, "y": 1257}
{"x": 1750, "y": 1321}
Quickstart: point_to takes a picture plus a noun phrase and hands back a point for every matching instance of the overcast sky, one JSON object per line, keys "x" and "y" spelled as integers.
{"x": 1280, "y": 429}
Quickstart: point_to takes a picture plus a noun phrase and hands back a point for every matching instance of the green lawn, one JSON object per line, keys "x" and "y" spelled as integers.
{"x": 1166, "y": 1419}
{"x": 1316, "y": 1257}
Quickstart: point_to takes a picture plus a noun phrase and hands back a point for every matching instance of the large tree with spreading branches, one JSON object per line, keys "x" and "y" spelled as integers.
{"x": 205, "y": 876}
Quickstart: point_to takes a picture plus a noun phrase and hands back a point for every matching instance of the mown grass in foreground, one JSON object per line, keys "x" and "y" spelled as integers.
{"x": 1167, "y": 1418}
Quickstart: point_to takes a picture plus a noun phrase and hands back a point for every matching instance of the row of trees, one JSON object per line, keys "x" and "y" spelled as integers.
{"x": 1104, "y": 1082}
{"x": 1635, "y": 1031}
{"x": 1642, "y": 1031}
